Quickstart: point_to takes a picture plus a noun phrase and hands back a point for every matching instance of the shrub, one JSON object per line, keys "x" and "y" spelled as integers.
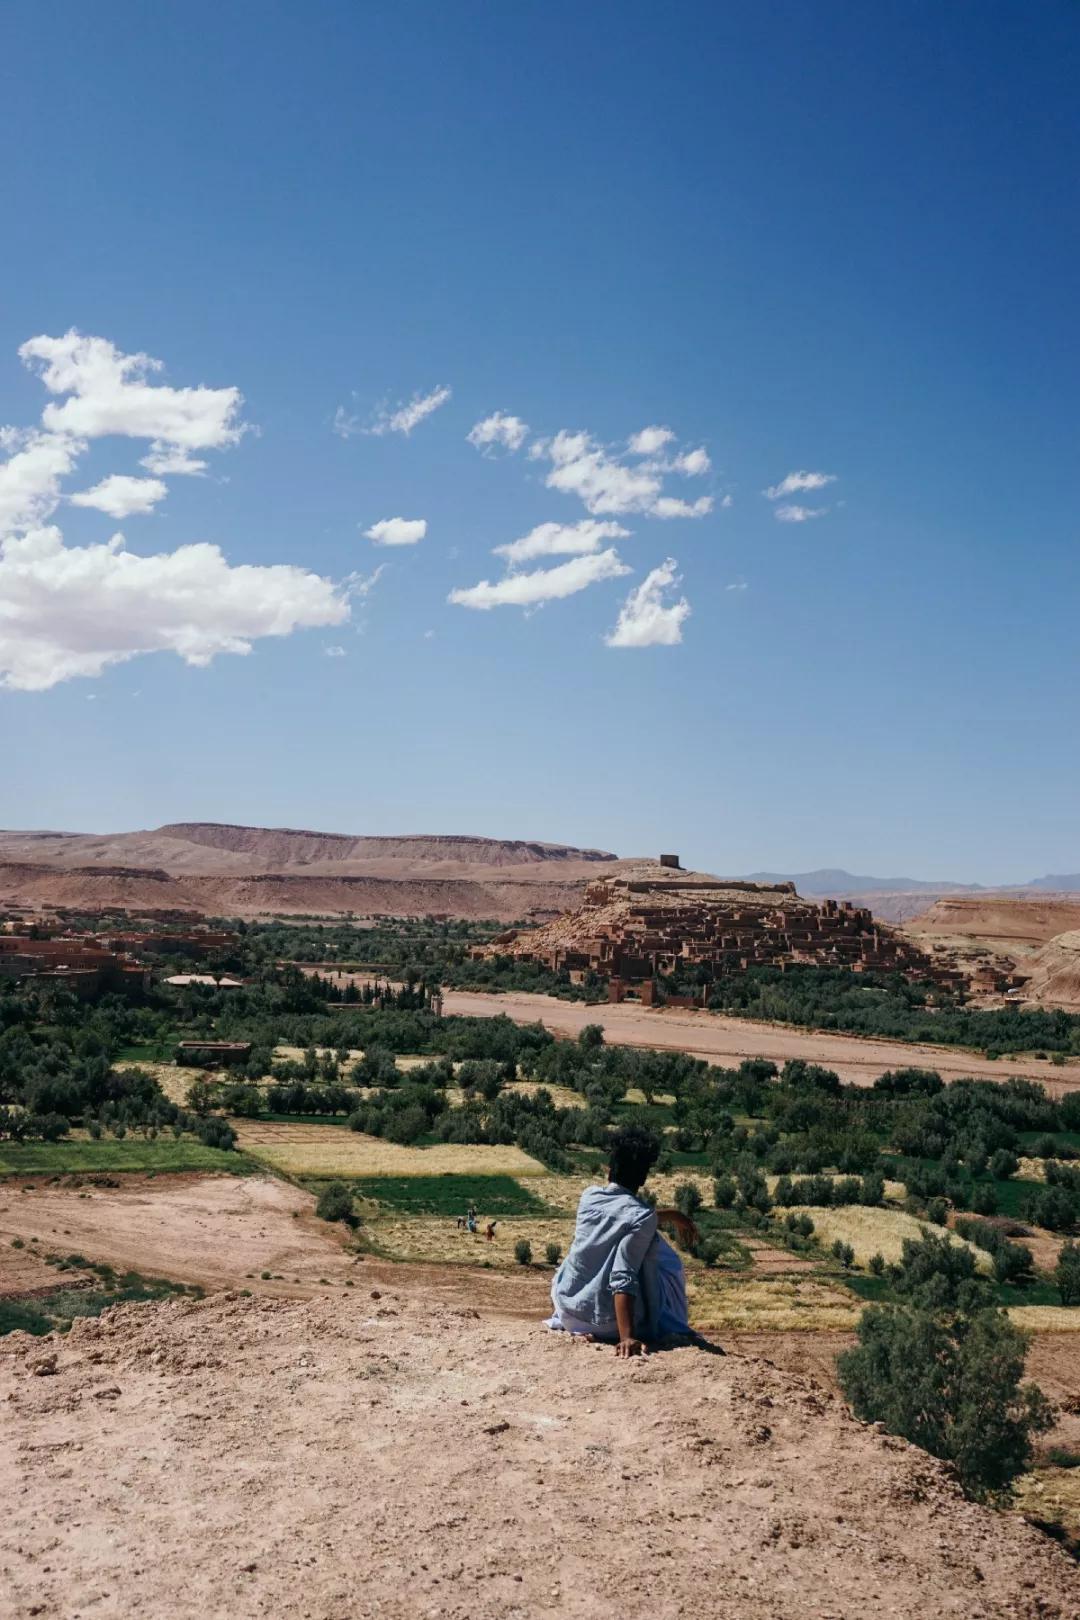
{"x": 552, "y": 1254}
{"x": 877, "y": 1264}
{"x": 1052, "y": 1207}
{"x": 1067, "y": 1273}
{"x": 687, "y": 1198}
{"x": 1003, "y": 1164}
{"x": 844, "y": 1253}
{"x": 523, "y": 1252}
{"x": 709, "y": 1251}
{"x": 937, "y": 1210}
{"x": 724, "y": 1191}
{"x": 335, "y": 1203}
{"x": 984, "y": 1199}
{"x": 950, "y": 1384}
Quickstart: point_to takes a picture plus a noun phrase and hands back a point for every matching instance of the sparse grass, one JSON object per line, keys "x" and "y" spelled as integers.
{"x": 450, "y": 1195}
{"x": 57, "y": 1311}
{"x": 1046, "y": 1318}
{"x": 722, "y": 1303}
{"x": 174, "y": 1079}
{"x": 437, "y": 1238}
{"x": 1051, "y": 1497}
{"x": 321, "y": 1150}
{"x": 19, "y": 1317}
{"x": 871, "y": 1230}
{"x": 132, "y": 1154}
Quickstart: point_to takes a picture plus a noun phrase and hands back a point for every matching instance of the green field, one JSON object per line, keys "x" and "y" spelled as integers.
{"x": 451, "y": 1195}
{"x": 63, "y": 1158}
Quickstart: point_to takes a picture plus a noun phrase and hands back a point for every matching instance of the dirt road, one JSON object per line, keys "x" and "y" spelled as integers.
{"x": 729, "y": 1040}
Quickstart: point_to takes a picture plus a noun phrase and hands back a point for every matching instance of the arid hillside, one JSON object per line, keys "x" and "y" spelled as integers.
{"x": 204, "y": 847}
{"x": 1001, "y": 921}
{"x": 213, "y": 869}
{"x": 382, "y": 1454}
{"x": 1055, "y": 972}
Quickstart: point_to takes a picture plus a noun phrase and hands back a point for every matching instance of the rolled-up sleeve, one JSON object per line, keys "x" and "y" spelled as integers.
{"x": 633, "y": 1246}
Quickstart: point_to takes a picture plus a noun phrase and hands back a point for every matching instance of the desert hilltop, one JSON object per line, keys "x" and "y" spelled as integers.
{"x": 385, "y": 1453}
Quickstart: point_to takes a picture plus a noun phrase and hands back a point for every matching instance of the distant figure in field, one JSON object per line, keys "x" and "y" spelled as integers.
{"x": 470, "y": 1219}
{"x": 490, "y": 1231}
{"x": 461, "y": 1223}
{"x": 621, "y": 1282}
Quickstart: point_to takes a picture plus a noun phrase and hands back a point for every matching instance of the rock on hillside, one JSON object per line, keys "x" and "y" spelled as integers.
{"x": 1055, "y": 973}
{"x": 1009, "y": 921}
{"x": 378, "y": 1456}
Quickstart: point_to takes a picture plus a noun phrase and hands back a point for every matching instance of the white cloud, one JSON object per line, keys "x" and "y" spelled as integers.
{"x": 736, "y": 585}
{"x": 397, "y": 531}
{"x": 361, "y": 586}
{"x": 346, "y": 424}
{"x": 561, "y": 539}
{"x": 543, "y": 585}
{"x": 404, "y": 417}
{"x": 643, "y": 619}
{"x": 727, "y": 502}
{"x": 67, "y": 611}
{"x": 668, "y": 506}
{"x": 30, "y": 478}
{"x": 798, "y": 514}
{"x": 796, "y": 481}
{"x": 335, "y": 652}
{"x": 606, "y": 482}
{"x": 650, "y": 441}
{"x": 109, "y": 394}
{"x": 693, "y": 463}
{"x": 509, "y": 431}
{"x": 583, "y": 468}
{"x": 121, "y": 496}
{"x": 166, "y": 460}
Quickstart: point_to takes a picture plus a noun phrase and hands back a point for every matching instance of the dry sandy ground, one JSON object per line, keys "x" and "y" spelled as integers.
{"x": 729, "y": 1040}
{"x": 224, "y": 1232}
{"x": 368, "y": 1456}
{"x": 209, "y": 1230}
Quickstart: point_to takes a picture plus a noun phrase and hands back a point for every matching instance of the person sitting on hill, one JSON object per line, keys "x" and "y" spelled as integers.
{"x": 621, "y": 1282}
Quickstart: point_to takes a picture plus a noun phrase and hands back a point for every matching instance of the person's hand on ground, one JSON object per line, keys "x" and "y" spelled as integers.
{"x": 630, "y": 1347}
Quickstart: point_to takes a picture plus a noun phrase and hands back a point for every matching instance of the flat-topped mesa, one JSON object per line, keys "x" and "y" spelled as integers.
{"x": 650, "y": 925}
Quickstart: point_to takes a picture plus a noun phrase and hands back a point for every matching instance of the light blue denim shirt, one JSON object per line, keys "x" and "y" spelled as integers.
{"x": 613, "y": 1234}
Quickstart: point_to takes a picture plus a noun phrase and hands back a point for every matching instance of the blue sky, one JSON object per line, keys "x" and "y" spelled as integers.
{"x": 838, "y": 239}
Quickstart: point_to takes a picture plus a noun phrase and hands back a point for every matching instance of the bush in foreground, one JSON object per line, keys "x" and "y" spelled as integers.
{"x": 553, "y": 1254}
{"x": 951, "y": 1384}
{"x": 523, "y": 1252}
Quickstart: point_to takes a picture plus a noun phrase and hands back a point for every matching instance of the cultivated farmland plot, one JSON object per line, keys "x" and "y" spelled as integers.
{"x": 871, "y": 1230}
{"x": 315, "y": 1150}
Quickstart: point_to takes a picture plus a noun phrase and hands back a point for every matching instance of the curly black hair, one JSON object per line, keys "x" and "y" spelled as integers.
{"x": 632, "y": 1152}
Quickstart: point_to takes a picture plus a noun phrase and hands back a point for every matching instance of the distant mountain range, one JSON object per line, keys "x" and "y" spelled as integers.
{"x": 898, "y": 899}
